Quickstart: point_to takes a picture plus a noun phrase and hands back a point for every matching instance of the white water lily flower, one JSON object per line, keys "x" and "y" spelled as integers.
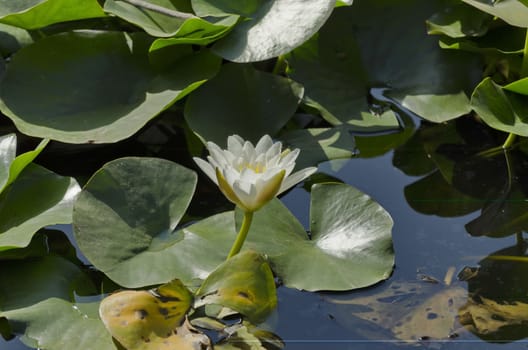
{"x": 250, "y": 176}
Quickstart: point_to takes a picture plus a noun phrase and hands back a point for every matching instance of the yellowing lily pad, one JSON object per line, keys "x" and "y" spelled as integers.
{"x": 148, "y": 319}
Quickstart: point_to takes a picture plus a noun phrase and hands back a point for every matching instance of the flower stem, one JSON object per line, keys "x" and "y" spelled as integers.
{"x": 242, "y": 234}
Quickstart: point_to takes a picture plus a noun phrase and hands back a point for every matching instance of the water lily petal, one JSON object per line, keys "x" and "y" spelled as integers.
{"x": 234, "y": 144}
{"x": 269, "y": 189}
{"x": 273, "y": 154}
{"x": 263, "y": 144}
{"x": 226, "y": 189}
{"x": 217, "y": 153}
{"x": 295, "y": 178}
{"x": 289, "y": 157}
{"x": 207, "y": 168}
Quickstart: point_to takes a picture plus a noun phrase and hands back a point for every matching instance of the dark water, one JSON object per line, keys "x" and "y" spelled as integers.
{"x": 451, "y": 211}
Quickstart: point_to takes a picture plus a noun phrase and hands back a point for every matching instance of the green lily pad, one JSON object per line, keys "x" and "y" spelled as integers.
{"x": 12, "y": 166}
{"x": 218, "y": 8}
{"x": 275, "y": 28}
{"x": 145, "y": 320}
{"x": 58, "y": 324}
{"x": 124, "y": 218}
{"x": 344, "y": 252}
{"x": 197, "y": 31}
{"x": 12, "y": 39}
{"x": 513, "y": 12}
{"x": 339, "y": 74}
{"x": 126, "y": 214}
{"x": 112, "y": 94}
{"x": 243, "y": 283}
{"x": 27, "y": 282}
{"x": 519, "y": 86}
{"x": 154, "y": 23}
{"x": 501, "y": 109}
{"x": 38, "y": 198}
{"x": 243, "y": 101}
{"x": 33, "y": 14}
{"x": 459, "y": 21}
{"x": 321, "y": 144}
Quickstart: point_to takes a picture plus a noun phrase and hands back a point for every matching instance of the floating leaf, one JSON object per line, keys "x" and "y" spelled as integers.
{"x": 12, "y": 39}
{"x": 126, "y": 215}
{"x": 319, "y": 145}
{"x": 59, "y": 324}
{"x": 112, "y": 94}
{"x": 338, "y": 74}
{"x": 243, "y": 101}
{"x": 146, "y": 320}
{"x": 511, "y": 11}
{"x": 33, "y": 14}
{"x": 519, "y": 86}
{"x": 154, "y": 23}
{"x": 459, "y": 21}
{"x": 27, "y": 282}
{"x": 197, "y": 31}
{"x": 270, "y": 31}
{"x": 37, "y": 199}
{"x": 243, "y": 283}
{"x": 501, "y": 109}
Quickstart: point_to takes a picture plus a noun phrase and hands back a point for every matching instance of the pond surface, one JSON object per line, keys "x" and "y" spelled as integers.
{"x": 446, "y": 292}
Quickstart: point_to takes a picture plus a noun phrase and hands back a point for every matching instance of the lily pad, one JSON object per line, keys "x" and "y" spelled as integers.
{"x": 513, "y": 12}
{"x": 154, "y": 23}
{"x": 112, "y": 94}
{"x": 12, "y": 39}
{"x": 58, "y": 324}
{"x": 243, "y": 283}
{"x": 274, "y": 28}
{"x": 33, "y": 14}
{"x": 27, "y": 282}
{"x": 501, "y": 109}
{"x": 148, "y": 320}
{"x": 125, "y": 216}
{"x": 127, "y": 212}
{"x": 243, "y": 101}
{"x": 38, "y": 198}
{"x": 197, "y": 31}
{"x": 321, "y": 144}
{"x": 341, "y": 73}
{"x": 459, "y": 21}
{"x": 12, "y": 166}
